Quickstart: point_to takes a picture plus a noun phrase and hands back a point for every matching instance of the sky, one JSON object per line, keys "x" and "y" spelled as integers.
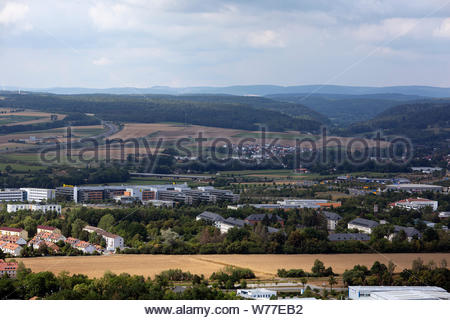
{"x": 181, "y": 43}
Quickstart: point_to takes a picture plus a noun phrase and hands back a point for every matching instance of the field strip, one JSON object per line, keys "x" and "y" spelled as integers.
{"x": 234, "y": 265}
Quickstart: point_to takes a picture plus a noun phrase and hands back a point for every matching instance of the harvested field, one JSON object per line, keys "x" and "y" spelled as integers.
{"x": 39, "y": 116}
{"x": 173, "y": 132}
{"x": 265, "y": 266}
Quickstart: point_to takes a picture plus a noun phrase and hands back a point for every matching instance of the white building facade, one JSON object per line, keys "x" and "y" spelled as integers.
{"x": 7, "y": 195}
{"x": 34, "y": 207}
{"x": 38, "y": 194}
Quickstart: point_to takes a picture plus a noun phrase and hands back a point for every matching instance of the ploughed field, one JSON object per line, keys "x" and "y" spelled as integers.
{"x": 264, "y": 266}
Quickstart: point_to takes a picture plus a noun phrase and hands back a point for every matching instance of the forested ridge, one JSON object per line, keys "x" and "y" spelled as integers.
{"x": 236, "y": 113}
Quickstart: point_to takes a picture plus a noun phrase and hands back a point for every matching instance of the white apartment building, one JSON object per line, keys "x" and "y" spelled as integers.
{"x": 11, "y": 195}
{"x": 34, "y": 207}
{"x": 38, "y": 194}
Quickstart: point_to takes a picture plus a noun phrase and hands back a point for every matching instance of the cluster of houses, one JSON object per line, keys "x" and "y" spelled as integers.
{"x": 367, "y": 227}
{"x": 12, "y": 240}
{"x": 226, "y": 224}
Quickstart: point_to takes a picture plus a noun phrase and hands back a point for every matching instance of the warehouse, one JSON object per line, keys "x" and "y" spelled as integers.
{"x": 397, "y": 293}
{"x": 412, "y": 187}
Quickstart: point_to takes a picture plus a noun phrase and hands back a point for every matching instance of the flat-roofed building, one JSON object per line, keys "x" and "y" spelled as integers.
{"x": 349, "y": 237}
{"x": 413, "y": 187}
{"x": 397, "y": 293}
{"x": 256, "y": 294}
{"x": 38, "y": 194}
{"x": 7, "y": 195}
{"x": 34, "y": 207}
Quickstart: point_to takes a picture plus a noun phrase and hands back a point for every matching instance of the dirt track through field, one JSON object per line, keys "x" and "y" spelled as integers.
{"x": 264, "y": 266}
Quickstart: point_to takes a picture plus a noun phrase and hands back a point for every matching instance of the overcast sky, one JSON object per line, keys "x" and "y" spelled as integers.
{"x": 143, "y": 43}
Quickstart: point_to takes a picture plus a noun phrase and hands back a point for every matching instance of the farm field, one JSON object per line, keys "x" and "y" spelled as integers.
{"x": 25, "y": 117}
{"x": 264, "y": 266}
{"x": 172, "y": 132}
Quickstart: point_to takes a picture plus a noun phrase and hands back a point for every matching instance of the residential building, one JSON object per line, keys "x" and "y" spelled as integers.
{"x": 13, "y": 239}
{"x": 444, "y": 214}
{"x": 332, "y": 219}
{"x": 256, "y": 294}
{"x": 349, "y": 237}
{"x": 412, "y": 187}
{"x": 397, "y": 293}
{"x": 415, "y": 204}
{"x": 34, "y": 207}
{"x": 113, "y": 241}
{"x": 7, "y": 195}
{"x": 362, "y": 225}
{"x": 210, "y": 217}
{"x": 50, "y": 229}
{"x": 12, "y": 248}
{"x": 410, "y": 233}
{"x": 8, "y": 268}
{"x": 7, "y": 231}
{"x": 38, "y": 194}
{"x": 227, "y": 224}
{"x": 84, "y": 246}
{"x": 260, "y": 217}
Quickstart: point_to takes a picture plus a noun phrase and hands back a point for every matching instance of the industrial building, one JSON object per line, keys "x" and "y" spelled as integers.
{"x": 413, "y": 187}
{"x": 397, "y": 293}
{"x": 256, "y": 294}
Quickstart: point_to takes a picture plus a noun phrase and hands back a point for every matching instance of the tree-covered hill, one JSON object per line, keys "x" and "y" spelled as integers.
{"x": 426, "y": 121}
{"x": 344, "y": 109}
{"x": 217, "y": 111}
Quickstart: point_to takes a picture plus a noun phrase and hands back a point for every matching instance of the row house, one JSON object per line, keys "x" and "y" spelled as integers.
{"x": 14, "y": 239}
{"x": 11, "y": 248}
{"x": 7, "y": 231}
{"x": 8, "y": 268}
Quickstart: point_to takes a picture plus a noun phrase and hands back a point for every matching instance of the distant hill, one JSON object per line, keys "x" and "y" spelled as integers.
{"x": 215, "y": 111}
{"x": 293, "y": 109}
{"x": 260, "y": 90}
{"x": 421, "y": 121}
{"x": 346, "y": 109}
